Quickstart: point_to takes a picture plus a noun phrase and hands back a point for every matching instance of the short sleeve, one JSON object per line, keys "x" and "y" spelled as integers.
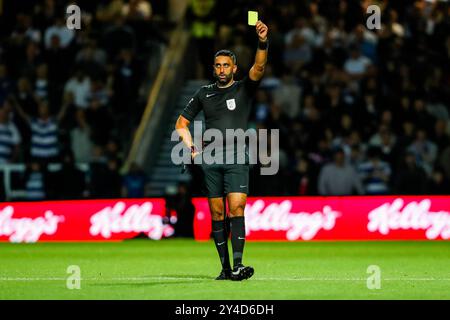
{"x": 250, "y": 86}
{"x": 193, "y": 107}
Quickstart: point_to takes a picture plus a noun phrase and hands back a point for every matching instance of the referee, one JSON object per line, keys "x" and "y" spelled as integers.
{"x": 226, "y": 104}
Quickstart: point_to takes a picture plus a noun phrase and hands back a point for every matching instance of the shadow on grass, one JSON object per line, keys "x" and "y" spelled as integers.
{"x": 145, "y": 283}
{"x": 164, "y": 280}
{"x": 188, "y": 276}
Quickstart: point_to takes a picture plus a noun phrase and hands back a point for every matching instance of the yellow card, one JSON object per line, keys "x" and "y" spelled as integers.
{"x": 252, "y": 18}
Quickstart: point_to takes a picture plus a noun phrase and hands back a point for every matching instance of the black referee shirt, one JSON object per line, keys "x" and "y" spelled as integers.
{"x": 224, "y": 108}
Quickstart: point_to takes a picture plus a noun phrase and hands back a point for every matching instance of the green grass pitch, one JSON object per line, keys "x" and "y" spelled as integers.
{"x": 185, "y": 269}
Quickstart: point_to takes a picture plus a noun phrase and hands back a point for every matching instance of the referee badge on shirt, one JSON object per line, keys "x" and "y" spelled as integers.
{"x": 231, "y": 104}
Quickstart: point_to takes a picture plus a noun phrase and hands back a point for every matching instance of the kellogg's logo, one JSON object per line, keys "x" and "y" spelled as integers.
{"x": 27, "y": 229}
{"x": 137, "y": 218}
{"x": 415, "y": 215}
{"x": 278, "y": 217}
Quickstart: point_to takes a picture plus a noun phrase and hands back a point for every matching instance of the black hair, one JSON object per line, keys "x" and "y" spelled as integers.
{"x": 227, "y": 53}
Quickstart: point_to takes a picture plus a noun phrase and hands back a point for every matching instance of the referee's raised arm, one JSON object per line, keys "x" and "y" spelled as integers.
{"x": 257, "y": 70}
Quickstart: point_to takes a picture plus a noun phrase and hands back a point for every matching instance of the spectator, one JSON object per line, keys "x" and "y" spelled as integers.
{"x": 407, "y": 136}
{"x": 444, "y": 161}
{"x": 261, "y": 106}
{"x": 79, "y": 85}
{"x": 98, "y": 94}
{"x": 411, "y": 179}
{"x": 302, "y": 180}
{"x": 356, "y": 65}
{"x": 91, "y": 53}
{"x": 45, "y": 14}
{"x": 134, "y": 182}
{"x": 356, "y": 156}
{"x": 386, "y": 118}
{"x": 242, "y": 50}
{"x": 112, "y": 180}
{"x": 107, "y": 11}
{"x": 424, "y": 150}
{"x": 98, "y": 114}
{"x": 334, "y": 107}
{"x": 98, "y": 184}
{"x": 440, "y": 135}
{"x": 343, "y": 85}
{"x": 297, "y": 52}
{"x": 81, "y": 140}
{"x": 288, "y": 96}
{"x": 201, "y": 17}
{"x": 437, "y": 109}
{"x": 119, "y": 36}
{"x": 346, "y": 126}
{"x": 44, "y": 131}
{"x": 404, "y": 112}
{"x": 421, "y": 116}
{"x": 60, "y": 30}
{"x": 69, "y": 172}
{"x": 302, "y": 29}
{"x": 338, "y": 178}
{"x": 112, "y": 149}
{"x": 375, "y": 173}
{"x": 384, "y": 139}
{"x": 32, "y": 58}
{"x": 9, "y": 137}
{"x": 270, "y": 82}
{"x": 56, "y": 58}
{"x": 36, "y": 182}
{"x": 6, "y": 84}
{"x": 438, "y": 184}
{"x": 25, "y": 96}
{"x": 25, "y": 31}
{"x": 41, "y": 84}
{"x": 365, "y": 40}
{"x": 39, "y": 51}
{"x": 92, "y": 61}
{"x": 126, "y": 80}
{"x": 137, "y": 10}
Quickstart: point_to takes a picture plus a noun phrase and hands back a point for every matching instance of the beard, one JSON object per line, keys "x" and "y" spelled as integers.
{"x": 225, "y": 80}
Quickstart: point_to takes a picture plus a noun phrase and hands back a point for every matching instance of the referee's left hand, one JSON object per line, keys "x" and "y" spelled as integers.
{"x": 261, "y": 31}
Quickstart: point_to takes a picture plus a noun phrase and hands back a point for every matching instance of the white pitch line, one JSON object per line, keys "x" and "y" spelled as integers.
{"x": 156, "y": 278}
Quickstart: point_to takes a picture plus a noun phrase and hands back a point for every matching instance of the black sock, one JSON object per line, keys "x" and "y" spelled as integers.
{"x": 237, "y": 238}
{"x": 220, "y": 236}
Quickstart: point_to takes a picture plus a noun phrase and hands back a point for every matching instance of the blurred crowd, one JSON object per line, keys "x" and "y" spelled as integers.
{"x": 359, "y": 111}
{"x": 74, "y": 96}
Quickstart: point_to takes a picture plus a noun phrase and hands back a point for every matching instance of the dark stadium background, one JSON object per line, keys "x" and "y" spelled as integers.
{"x": 376, "y": 99}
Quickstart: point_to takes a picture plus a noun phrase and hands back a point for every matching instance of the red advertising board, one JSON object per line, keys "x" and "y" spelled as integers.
{"x": 87, "y": 220}
{"x": 339, "y": 218}
{"x": 269, "y": 218}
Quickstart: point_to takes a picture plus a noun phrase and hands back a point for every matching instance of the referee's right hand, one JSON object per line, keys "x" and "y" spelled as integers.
{"x": 193, "y": 155}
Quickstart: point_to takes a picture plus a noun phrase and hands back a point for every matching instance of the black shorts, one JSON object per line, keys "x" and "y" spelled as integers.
{"x": 221, "y": 179}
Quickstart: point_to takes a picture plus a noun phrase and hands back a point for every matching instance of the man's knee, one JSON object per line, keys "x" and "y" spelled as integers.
{"x": 217, "y": 215}
{"x": 237, "y": 210}
{"x": 217, "y": 210}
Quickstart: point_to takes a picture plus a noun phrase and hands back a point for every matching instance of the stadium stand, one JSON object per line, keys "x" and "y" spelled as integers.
{"x": 74, "y": 95}
{"x": 378, "y": 97}
{"x": 382, "y": 96}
